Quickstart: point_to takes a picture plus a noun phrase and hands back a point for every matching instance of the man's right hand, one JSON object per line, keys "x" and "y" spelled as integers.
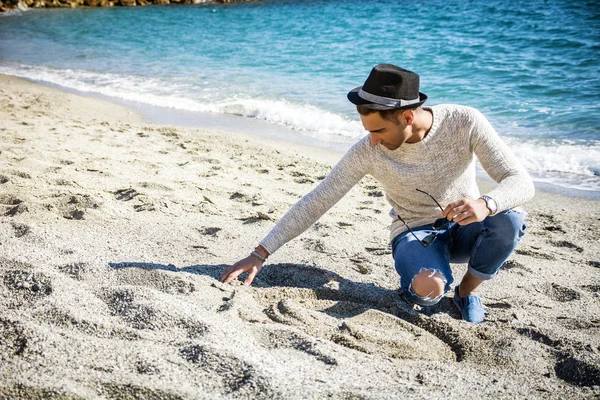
{"x": 250, "y": 264}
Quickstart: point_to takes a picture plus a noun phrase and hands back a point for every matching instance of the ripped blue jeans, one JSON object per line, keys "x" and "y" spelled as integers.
{"x": 485, "y": 246}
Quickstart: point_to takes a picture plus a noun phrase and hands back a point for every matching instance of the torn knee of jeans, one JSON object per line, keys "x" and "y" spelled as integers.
{"x": 433, "y": 287}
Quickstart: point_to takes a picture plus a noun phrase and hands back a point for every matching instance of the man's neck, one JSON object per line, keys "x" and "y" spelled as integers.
{"x": 421, "y": 125}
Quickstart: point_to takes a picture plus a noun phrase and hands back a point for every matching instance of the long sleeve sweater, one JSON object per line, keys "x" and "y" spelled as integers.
{"x": 442, "y": 164}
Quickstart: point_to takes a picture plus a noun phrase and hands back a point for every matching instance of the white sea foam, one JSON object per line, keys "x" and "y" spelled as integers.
{"x": 569, "y": 165}
{"x": 572, "y": 159}
{"x": 305, "y": 118}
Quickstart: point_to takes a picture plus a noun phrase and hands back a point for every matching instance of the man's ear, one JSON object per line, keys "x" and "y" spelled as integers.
{"x": 409, "y": 115}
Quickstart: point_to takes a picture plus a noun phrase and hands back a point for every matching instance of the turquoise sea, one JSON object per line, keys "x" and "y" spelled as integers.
{"x": 531, "y": 67}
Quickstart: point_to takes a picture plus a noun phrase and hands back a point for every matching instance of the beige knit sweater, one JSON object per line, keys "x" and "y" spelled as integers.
{"x": 442, "y": 164}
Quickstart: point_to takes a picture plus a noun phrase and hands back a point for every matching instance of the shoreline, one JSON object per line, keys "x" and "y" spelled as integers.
{"x": 114, "y": 232}
{"x": 268, "y": 131}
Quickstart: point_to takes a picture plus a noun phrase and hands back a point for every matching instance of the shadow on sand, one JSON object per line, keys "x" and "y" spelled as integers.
{"x": 325, "y": 285}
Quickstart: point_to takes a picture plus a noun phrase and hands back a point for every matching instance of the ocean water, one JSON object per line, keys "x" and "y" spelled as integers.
{"x": 531, "y": 67}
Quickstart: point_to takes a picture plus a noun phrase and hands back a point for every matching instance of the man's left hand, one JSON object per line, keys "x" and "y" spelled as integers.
{"x": 466, "y": 211}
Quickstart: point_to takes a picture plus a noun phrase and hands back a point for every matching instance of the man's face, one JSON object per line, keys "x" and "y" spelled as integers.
{"x": 390, "y": 134}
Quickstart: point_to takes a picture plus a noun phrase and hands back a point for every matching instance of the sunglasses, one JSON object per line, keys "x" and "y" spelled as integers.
{"x": 437, "y": 225}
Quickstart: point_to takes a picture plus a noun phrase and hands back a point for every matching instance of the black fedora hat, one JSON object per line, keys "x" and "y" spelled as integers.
{"x": 389, "y": 87}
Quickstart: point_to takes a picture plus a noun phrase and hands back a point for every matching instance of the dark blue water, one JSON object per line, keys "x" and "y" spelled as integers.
{"x": 531, "y": 67}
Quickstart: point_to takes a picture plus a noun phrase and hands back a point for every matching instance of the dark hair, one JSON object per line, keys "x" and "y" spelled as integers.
{"x": 390, "y": 115}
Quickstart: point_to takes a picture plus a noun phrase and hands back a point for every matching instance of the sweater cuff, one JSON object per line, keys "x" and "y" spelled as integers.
{"x": 268, "y": 246}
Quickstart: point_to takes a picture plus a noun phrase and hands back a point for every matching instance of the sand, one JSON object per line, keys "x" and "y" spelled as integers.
{"x": 113, "y": 233}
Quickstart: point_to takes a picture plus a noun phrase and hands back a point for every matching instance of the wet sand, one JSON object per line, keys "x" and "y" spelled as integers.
{"x": 113, "y": 233}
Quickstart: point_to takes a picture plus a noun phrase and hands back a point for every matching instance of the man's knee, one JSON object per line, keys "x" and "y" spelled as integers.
{"x": 428, "y": 284}
{"x": 508, "y": 227}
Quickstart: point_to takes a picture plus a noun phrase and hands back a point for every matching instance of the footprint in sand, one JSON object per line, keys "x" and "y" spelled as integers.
{"x": 122, "y": 302}
{"x": 560, "y": 293}
{"x": 301, "y": 178}
{"x": 375, "y": 193}
{"x": 379, "y": 251}
{"x": 27, "y": 286}
{"x": 535, "y": 254}
{"x": 554, "y": 228}
{"x": 579, "y": 324}
{"x": 20, "y": 229}
{"x": 595, "y": 289}
{"x": 537, "y": 336}
{"x": 303, "y": 181}
{"x": 566, "y": 244}
{"x": 193, "y": 329}
{"x": 374, "y": 210}
{"x": 515, "y": 266}
{"x": 11, "y": 205}
{"x": 73, "y": 206}
{"x": 581, "y": 370}
{"x": 362, "y": 263}
{"x": 209, "y": 231}
{"x": 145, "y": 206}
{"x": 15, "y": 339}
{"x": 146, "y": 368}
{"x": 241, "y": 197}
{"x": 21, "y": 174}
{"x": 241, "y": 380}
{"x": 316, "y": 245}
{"x": 74, "y": 270}
{"x": 128, "y": 194}
{"x": 254, "y": 218}
{"x": 550, "y": 223}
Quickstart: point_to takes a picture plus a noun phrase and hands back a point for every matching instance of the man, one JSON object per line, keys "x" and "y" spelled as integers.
{"x": 423, "y": 157}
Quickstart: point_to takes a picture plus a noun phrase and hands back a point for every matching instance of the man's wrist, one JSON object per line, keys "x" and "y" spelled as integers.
{"x": 261, "y": 253}
{"x": 258, "y": 256}
{"x": 490, "y": 204}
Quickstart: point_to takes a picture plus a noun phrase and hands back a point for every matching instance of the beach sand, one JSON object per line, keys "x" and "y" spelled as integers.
{"x": 113, "y": 233}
